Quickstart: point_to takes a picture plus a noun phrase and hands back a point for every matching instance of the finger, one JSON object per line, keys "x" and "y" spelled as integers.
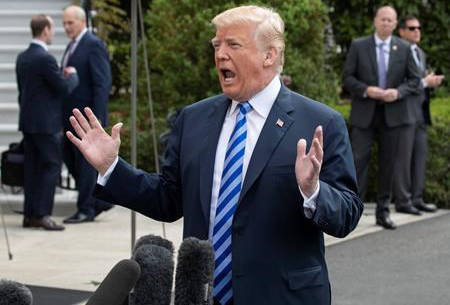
{"x": 81, "y": 119}
{"x": 115, "y": 131}
{"x": 316, "y": 165}
{"x": 74, "y": 140}
{"x": 318, "y": 151}
{"x": 301, "y": 148}
{"x": 318, "y": 134}
{"x": 92, "y": 118}
{"x": 80, "y": 132}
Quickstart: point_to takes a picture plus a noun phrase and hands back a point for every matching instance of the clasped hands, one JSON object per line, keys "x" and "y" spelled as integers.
{"x": 385, "y": 95}
{"x": 101, "y": 149}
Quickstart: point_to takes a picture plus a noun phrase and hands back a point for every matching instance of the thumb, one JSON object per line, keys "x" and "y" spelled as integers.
{"x": 301, "y": 148}
{"x": 115, "y": 131}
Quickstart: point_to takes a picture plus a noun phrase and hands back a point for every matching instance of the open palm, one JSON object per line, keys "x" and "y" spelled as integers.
{"x": 308, "y": 165}
{"x": 97, "y": 146}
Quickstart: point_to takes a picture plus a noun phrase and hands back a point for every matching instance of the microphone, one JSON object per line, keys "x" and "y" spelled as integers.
{"x": 154, "y": 287}
{"x": 117, "y": 284}
{"x": 151, "y": 239}
{"x": 195, "y": 273}
{"x": 14, "y": 293}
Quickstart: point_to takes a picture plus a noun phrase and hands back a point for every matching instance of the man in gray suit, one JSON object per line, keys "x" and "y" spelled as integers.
{"x": 410, "y": 31}
{"x": 380, "y": 73}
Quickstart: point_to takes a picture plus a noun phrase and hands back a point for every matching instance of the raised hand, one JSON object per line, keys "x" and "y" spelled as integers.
{"x": 97, "y": 146}
{"x": 307, "y": 166}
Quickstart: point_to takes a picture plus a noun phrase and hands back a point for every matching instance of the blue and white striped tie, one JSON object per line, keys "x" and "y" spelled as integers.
{"x": 230, "y": 188}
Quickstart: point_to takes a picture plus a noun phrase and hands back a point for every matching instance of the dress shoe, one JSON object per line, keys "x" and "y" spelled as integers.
{"x": 79, "y": 217}
{"x": 426, "y": 207}
{"x": 386, "y": 222}
{"x": 45, "y": 222}
{"x": 408, "y": 209}
{"x": 26, "y": 223}
{"x": 98, "y": 211}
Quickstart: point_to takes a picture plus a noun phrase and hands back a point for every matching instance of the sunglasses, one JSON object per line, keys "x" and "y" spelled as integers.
{"x": 413, "y": 28}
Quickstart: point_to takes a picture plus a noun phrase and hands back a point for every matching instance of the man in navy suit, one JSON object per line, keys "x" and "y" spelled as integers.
{"x": 381, "y": 76}
{"x": 89, "y": 56}
{"x": 41, "y": 91}
{"x": 259, "y": 170}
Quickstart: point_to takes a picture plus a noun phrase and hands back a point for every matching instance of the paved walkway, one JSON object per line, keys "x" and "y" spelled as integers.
{"x": 81, "y": 256}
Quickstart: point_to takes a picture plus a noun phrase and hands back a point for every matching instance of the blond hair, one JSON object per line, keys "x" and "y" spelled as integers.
{"x": 269, "y": 27}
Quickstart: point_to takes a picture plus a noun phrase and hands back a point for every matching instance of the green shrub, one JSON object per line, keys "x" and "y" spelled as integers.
{"x": 437, "y": 184}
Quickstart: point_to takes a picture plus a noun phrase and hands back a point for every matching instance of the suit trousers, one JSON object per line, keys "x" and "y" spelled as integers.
{"x": 42, "y": 170}
{"x": 387, "y": 139}
{"x": 418, "y": 166}
{"x": 85, "y": 179}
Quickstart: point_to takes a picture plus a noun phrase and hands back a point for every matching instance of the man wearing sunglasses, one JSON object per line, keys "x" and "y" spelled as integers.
{"x": 381, "y": 75}
{"x": 410, "y": 30}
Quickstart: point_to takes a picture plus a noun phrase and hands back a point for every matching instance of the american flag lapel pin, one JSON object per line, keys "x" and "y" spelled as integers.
{"x": 280, "y": 123}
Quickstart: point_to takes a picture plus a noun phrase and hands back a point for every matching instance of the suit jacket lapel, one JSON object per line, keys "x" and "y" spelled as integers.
{"x": 392, "y": 55}
{"x": 213, "y": 126}
{"x": 372, "y": 51}
{"x": 270, "y": 137}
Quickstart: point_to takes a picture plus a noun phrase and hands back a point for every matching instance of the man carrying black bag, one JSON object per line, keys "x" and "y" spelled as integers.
{"x": 41, "y": 90}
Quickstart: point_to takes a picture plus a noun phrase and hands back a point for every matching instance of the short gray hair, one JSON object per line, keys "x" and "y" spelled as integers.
{"x": 269, "y": 26}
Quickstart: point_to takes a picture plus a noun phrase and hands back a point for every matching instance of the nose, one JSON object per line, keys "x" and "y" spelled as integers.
{"x": 221, "y": 53}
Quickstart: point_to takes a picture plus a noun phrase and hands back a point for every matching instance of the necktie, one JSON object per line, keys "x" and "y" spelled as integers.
{"x": 419, "y": 61}
{"x": 69, "y": 52}
{"x": 230, "y": 189}
{"x": 381, "y": 67}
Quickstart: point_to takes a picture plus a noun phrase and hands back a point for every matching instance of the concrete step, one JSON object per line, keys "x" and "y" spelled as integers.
{"x": 22, "y": 35}
{"x": 9, "y": 133}
{"x": 39, "y": 5}
{"x": 9, "y": 113}
{"x": 22, "y": 17}
{"x": 8, "y": 53}
{"x": 8, "y": 92}
{"x": 7, "y": 73}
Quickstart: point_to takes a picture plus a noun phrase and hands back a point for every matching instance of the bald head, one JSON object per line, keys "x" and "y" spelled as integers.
{"x": 385, "y": 21}
{"x": 74, "y": 21}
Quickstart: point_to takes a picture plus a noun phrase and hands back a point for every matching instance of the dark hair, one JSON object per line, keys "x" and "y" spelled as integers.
{"x": 405, "y": 19}
{"x": 38, "y": 24}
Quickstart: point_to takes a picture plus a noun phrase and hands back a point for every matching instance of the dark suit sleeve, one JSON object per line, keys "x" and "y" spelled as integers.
{"x": 157, "y": 196}
{"x": 19, "y": 85}
{"x": 338, "y": 207}
{"x": 351, "y": 83}
{"x": 411, "y": 85}
{"x": 55, "y": 80}
{"x": 101, "y": 77}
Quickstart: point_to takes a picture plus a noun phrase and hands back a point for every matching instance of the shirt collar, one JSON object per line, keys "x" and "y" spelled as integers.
{"x": 262, "y": 101}
{"x": 378, "y": 40}
{"x": 40, "y": 42}
{"x": 78, "y": 38}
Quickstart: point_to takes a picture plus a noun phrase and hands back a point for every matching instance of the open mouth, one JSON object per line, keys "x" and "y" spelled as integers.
{"x": 227, "y": 75}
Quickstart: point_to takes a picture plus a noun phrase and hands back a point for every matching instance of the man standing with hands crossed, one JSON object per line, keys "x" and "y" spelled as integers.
{"x": 259, "y": 170}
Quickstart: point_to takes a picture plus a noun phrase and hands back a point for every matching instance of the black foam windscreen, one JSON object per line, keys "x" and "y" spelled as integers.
{"x": 153, "y": 240}
{"x": 13, "y": 293}
{"x": 117, "y": 284}
{"x": 194, "y": 273}
{"x": 154, "y": 287}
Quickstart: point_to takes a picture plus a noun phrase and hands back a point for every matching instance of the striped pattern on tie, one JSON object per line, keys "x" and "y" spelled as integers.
{"x": 230, "y": 188}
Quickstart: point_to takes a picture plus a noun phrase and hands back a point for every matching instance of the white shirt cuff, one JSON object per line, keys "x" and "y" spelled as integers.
{"x": 103, "y": 179}
{"x": 424, "y": 83}
{"x": 309, "y": 204}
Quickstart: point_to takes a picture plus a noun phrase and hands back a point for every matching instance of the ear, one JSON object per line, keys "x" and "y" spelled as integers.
{"x": 271, "y": 57}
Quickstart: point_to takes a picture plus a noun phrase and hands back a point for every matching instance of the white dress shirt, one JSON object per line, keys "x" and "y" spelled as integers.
{"x": 386, "y": 49}
{"x": 261, "y": 103}
{"x": 41, "y": 43}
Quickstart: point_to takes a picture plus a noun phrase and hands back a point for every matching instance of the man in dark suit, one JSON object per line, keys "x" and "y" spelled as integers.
{"x": 89, "y": 56}
{"x": 41, "y": 91}
{"x": 381, "y": 75}
{"x": 259, "y": 170}
{"x": 410, "y": 31}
